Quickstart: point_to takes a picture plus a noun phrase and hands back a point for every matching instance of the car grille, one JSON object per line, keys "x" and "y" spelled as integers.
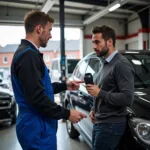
{"x": 5, "y": 102}
{"x": 4, "y": 114}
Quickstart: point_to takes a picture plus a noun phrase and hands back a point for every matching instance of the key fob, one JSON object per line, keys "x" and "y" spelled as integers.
{"x": 88, "y": 78}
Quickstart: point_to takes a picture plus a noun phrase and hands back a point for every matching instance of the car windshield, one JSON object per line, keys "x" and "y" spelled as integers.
{"x": 71, "y": 65}
{"x": 141, "y": 64}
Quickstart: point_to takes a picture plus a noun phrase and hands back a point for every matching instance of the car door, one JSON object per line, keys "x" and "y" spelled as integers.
{"x": 78, "y": 75}
{"x": 84, "y": 101}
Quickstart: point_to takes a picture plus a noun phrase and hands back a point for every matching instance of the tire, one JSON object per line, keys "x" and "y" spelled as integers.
{"x": 72, "y": 132}
{"x": 14, "y": 114}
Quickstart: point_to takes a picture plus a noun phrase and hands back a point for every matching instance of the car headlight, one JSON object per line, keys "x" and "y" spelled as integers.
{"x": 141, "y": 128}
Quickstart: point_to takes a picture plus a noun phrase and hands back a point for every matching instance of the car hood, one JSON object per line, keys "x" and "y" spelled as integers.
{"x": 5, "y": 92}
{"x": 143, "y": 94}
{"x": 141, "y": 105}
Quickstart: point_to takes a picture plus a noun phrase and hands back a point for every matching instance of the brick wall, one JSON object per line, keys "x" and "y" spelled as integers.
{"x": 48, "y": 56}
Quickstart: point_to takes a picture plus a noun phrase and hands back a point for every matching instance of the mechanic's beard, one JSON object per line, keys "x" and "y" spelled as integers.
{"x": 43, "y": 43}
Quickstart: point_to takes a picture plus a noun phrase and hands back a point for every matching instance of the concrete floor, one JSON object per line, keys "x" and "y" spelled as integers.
{"x": 8, "y": 139}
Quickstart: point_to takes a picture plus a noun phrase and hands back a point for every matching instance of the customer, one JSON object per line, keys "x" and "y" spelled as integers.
{"x": 38, "y": 113}
{"x": 114, "y": 93}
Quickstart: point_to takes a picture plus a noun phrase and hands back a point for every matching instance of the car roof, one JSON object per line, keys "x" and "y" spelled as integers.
{"x": 134, "y": 51}
{"x": 93, "y": 54}
{"x": 123, "y": 52}
{"x": 58, "y": 58}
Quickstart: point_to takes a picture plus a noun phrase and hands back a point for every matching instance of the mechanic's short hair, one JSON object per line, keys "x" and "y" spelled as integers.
{"x": 34, "y": 18}
{"x": 106, "y": 32}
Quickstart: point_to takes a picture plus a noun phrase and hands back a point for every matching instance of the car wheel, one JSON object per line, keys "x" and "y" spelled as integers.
{"x": 14, "y": 114}
{"x": 72, "y": 132}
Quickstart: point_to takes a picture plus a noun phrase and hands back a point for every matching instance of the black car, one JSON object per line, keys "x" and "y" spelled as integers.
{"x": 137, "y": 134}
{"x": 8, "y": 109}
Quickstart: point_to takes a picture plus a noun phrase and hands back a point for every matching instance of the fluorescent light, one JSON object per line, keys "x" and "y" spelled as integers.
{"x": 114, "y": 7}
{"x": 48, "y": 5}
{"x": 105, "y": 11}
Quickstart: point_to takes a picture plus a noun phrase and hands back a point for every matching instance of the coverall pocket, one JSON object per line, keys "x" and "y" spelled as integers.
{"x": 29, "y": 130}
{"x": 48, "y": 137}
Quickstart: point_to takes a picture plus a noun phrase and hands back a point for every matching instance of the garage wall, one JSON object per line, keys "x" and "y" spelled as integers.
{"x": 87, "y": 46}
{"x": 137, "y": 35}
{"x": 134, "y": 24}
{"x": 133, "y": 45}
{"x": 134, "y": 38}
{"x": 120, "y": 45}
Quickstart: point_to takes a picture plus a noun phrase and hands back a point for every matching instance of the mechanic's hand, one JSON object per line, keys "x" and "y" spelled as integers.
{"x": 92, "y": 116}
{"x": 73, "y": 85}
{"x": 76, "y": 116}
{"x": 93, "y": 89}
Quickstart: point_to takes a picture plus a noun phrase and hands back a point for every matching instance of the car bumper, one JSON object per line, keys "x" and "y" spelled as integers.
{"x": 5, "y": 111}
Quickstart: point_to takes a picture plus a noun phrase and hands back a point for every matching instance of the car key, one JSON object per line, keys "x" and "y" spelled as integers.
{"x": 88, "y": 78}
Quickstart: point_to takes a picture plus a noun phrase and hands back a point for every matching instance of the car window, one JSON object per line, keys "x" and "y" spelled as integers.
{"x": 79, "y": 71}
{"x": 141, "y": 64}
{"x": 93, "y": 68}
{"x": 71, "y": 64}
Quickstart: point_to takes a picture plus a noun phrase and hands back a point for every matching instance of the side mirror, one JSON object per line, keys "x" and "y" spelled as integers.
{"x": 1, "y": 80}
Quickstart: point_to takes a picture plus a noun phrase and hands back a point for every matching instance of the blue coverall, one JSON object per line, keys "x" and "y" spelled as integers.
{"x": 34, "y": 131}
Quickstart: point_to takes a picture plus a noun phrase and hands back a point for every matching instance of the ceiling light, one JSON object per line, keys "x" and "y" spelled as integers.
{"x": 114, "y": 7}
{"x": 48, "y": 5}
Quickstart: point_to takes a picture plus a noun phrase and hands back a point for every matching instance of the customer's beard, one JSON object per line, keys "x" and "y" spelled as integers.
{"x": 103, "y": 53}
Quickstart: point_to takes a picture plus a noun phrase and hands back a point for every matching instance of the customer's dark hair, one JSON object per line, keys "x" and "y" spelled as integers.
{"x": 106, "y": 32}
{"x": 34, "y": 18}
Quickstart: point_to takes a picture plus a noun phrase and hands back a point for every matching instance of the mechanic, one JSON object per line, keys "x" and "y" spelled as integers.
{"x": 36, "y": 125}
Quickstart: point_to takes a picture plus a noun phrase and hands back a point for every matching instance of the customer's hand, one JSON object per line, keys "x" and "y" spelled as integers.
{"x": 93, "y": 89}
{"x": 76, "y": 116}
{"x": 73, "y": 85}
{"x": 92, "y": 116}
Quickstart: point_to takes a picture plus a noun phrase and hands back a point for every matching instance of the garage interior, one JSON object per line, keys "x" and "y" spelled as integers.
{"x": 131, "y": 21}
